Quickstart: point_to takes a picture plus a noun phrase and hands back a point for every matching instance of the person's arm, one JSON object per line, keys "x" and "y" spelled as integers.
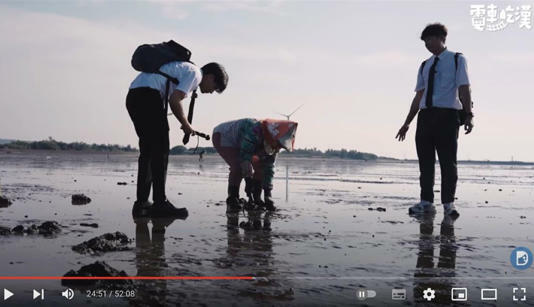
{"x": 414, "y": 108}
{"x": 177, "y": 109}
{"x": 464, "y": 93}
{"x": 247, "y": 147}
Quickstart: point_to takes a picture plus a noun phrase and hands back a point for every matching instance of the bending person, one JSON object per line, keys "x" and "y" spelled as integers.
{"x": 249, "y": 146}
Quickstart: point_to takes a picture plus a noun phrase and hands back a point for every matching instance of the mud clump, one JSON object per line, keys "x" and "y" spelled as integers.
{"x": 48, "y": 228}
{"x": 4, "y": 231}
{"x": 97, "y": 269}
{"x": 379, "y": 209}
{"x": 18, "y": 229}
{"x": 4, "y": 202}
{"x": 80, "y": 199}
{"x": 109, "y": 242}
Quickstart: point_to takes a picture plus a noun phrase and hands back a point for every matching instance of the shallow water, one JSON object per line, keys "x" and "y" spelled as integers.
{"x": 323, "y": 244}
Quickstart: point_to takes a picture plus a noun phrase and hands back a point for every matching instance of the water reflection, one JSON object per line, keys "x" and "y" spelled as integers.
{"x": 255, "y": 245}
{"x": 440, "y": 278}
{"x": 150, "y": 261}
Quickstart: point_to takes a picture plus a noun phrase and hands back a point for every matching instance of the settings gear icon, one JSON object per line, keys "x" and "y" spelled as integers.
{"x": 429, "y": 294}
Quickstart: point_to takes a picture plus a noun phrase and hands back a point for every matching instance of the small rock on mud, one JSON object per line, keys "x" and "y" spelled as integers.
{"x": 4, "y": 202}
{"x": 80, "y": 199}
{"x": 97, "y": 269}
{"x": 109, "y": 242}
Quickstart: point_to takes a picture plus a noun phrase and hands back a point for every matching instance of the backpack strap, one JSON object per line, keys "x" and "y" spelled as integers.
{"x": 167, "y": 86}
{"x": 456, "y": 55}
{"x": 173, "y": 79}
{"x": 421, "y": 68}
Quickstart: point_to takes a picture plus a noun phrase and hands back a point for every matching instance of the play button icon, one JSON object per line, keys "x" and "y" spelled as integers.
{"x": 7, "y": 294}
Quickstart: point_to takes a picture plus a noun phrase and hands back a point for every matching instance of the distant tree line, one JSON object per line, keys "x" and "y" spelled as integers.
{"x": 306, "y": 152}
{"x": 52, "y": 144}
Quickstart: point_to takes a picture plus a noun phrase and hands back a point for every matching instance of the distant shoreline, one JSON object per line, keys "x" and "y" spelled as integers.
{"x": 5, "y": 151}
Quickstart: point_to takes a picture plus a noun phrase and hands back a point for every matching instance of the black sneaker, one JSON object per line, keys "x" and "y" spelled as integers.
{"x": 167, "y": 209}
{"x": 233, "y": 204}
{"x": 141, "y": 209}
{"x": 269, "y": 207}
{"x": 250, "y": 206}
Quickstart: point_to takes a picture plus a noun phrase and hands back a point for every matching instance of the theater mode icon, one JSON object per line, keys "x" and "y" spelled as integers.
{"x": 488, "y": 294}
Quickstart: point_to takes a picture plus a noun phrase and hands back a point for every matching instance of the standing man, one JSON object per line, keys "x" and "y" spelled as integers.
{"x": 146, "y": 104}
{"x": 442, "y": 90}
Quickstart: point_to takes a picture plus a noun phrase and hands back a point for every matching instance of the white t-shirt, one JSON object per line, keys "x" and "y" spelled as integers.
{"x": 188, "y": 75}
{"x": 446, "y": 80}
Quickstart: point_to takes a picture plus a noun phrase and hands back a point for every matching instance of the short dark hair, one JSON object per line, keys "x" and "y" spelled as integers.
{"x": 434, "y": 29}
{"x": 219, "y": 74}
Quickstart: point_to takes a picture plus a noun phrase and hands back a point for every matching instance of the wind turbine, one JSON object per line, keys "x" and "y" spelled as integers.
{"x": 288, "y": 116}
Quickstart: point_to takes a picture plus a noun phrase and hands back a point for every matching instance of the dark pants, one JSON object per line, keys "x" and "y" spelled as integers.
{"x": 147, "y": 112}
{"x": 437, "y": 131}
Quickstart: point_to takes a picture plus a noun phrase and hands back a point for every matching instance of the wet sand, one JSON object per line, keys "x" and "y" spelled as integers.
{"x": 326, "y": 241}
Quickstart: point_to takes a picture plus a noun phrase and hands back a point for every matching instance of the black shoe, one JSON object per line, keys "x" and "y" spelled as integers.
{"x": 167, "y": 209}
{"x": 249, "y": 206}
{"x": 141, "y": 209}
{"x": 233, "y": 204}
{"x": 268, "y": 204}
{"x": 270, "y": 207}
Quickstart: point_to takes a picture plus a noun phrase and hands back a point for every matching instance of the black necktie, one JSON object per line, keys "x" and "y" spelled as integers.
{"x": 430, "y": 90}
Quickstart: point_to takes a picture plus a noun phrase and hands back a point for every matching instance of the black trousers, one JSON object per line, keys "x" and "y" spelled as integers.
{"x": 437, "y": 131}
{"x": 146, "y": 109}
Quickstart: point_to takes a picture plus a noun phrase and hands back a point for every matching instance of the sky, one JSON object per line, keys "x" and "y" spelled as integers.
{"x": 65, "y": 69}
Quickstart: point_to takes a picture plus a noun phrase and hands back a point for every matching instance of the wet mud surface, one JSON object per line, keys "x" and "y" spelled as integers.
{"x": 341, "y": 226}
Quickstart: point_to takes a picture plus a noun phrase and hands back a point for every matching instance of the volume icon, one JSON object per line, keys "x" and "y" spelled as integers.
{"x": 68, "y": 294}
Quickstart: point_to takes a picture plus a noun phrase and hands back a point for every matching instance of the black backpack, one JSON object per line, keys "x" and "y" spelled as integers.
{"x": 150, "y": 57}
{"x": 461, "y": 113}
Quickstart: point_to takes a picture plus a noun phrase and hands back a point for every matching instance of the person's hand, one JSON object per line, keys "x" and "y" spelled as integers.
{"x": 468, "y": 125}
{"x": 188, "y": 129}
{"x": 246, "y": 169}
{"x": 401, "y": 135}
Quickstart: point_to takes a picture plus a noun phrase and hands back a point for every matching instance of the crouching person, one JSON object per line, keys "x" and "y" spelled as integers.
{"x": 249, "y": 146}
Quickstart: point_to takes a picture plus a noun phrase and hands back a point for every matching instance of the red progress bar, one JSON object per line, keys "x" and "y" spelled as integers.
{"x": 125, "y": 277}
